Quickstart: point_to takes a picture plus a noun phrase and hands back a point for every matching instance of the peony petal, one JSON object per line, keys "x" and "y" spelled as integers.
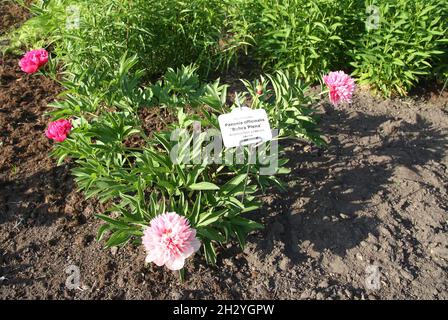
{"x": 175, "y": 264}
{"x": 148, "y": 259}
{"x": 196, "y": 244}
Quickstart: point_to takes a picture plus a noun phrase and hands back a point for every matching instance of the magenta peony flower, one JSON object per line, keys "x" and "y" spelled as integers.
{"x": 341, "y": 87}
{"x": 28, "y": 65}
{"x": 42, "y": 55}
{"x": 33, "y": 60}
{"x": 169, "y": 240}
{"x": 58, "y": 130}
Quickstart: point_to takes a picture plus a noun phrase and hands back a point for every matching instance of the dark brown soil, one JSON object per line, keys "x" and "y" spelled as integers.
{"x": 156, "y": 119}
{"x": 11, "y": 15}
{"x": 376, "y": 196}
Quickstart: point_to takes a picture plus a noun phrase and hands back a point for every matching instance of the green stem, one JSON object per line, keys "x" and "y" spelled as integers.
{"x": 247, "y": 174}
{"x": 182, "y": 275}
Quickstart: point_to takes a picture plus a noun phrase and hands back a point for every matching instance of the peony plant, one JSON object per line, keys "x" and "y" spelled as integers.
{"x": 176, "y": 207}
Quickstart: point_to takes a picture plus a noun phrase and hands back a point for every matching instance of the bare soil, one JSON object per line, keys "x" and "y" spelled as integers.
{"x": 375, "y": 199}
{"x": 11, "y": 15}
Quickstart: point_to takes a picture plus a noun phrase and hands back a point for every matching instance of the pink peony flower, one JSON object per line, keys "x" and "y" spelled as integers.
{"x": 58, "y": 130}
{"x": 169, "y": 240}
{"x": 28, "y": 65}
{"x": 33, "y": 60}
{"x": 341, "y": 87}
{"x": 42, "y": 55}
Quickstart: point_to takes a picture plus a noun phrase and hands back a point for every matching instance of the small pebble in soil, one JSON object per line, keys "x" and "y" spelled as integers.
{"x": 320, "y": 296}
{"x": 407, "y": 275}
{"x": 114, "y": 250}
{"x": 348, "y": 293}
{"x": 284, "y": 264}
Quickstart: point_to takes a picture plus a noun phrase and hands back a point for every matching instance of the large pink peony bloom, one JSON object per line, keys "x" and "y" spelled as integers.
{"x": 58, "y": 130}
{"x": 169, "y": 240}
{"x": 341, "y": 87}
{"x": 33, "y": 60}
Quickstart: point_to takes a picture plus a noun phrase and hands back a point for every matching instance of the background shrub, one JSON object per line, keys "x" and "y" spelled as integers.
{"x": 308, "y": 37}
{"x": 161, "y": 34}
{"x": 408, "y": 45}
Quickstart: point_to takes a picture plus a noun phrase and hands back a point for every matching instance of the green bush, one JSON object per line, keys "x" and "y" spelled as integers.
{"x": 308, "y": 37}
{"x": 320, "y": 35}
{"x": 143, "y": 180}
{"x": 407, "y": 45}
{"x": 161, "y": 33}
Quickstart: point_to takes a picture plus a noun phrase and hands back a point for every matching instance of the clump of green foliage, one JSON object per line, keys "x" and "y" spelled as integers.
{"x": 161, "y": 33}
{"x": 144, "y": 180}
{"x": 305, "y": 37}
{"x": 408, "y": 44}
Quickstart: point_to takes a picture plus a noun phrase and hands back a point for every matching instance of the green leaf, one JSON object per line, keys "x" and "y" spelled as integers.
{"x": 113, "y": 222}
{"x": 210, "y": 253}
{"x": 210, "y": 233}
{"x": 246, "y": 223}
{"x": 241, "y": 236}
{"x": 101, "y": 231}
{"x": 196, "y": 208}
{"x": 204, "y": 186}
{"x": 210, "y": 217}
{"x": 119, "y": 237}
{"x": 233, "y": 183}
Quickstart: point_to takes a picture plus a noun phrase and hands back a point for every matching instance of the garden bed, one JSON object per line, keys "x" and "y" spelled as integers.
{"x": 376, "y": 196}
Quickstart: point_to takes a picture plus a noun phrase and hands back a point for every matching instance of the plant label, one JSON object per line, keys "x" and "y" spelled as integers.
{"x": 244, "y": 126}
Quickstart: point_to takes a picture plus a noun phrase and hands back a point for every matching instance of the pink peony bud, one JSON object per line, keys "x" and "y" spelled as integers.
{"x": 341, "y": 87}
{"x": 58, "y": 130}
{"x": 169, "y": 240}
{"x": 33, "y": 60}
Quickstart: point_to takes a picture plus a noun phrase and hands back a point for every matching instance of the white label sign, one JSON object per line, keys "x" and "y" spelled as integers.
{"x": 244, "y": 126}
